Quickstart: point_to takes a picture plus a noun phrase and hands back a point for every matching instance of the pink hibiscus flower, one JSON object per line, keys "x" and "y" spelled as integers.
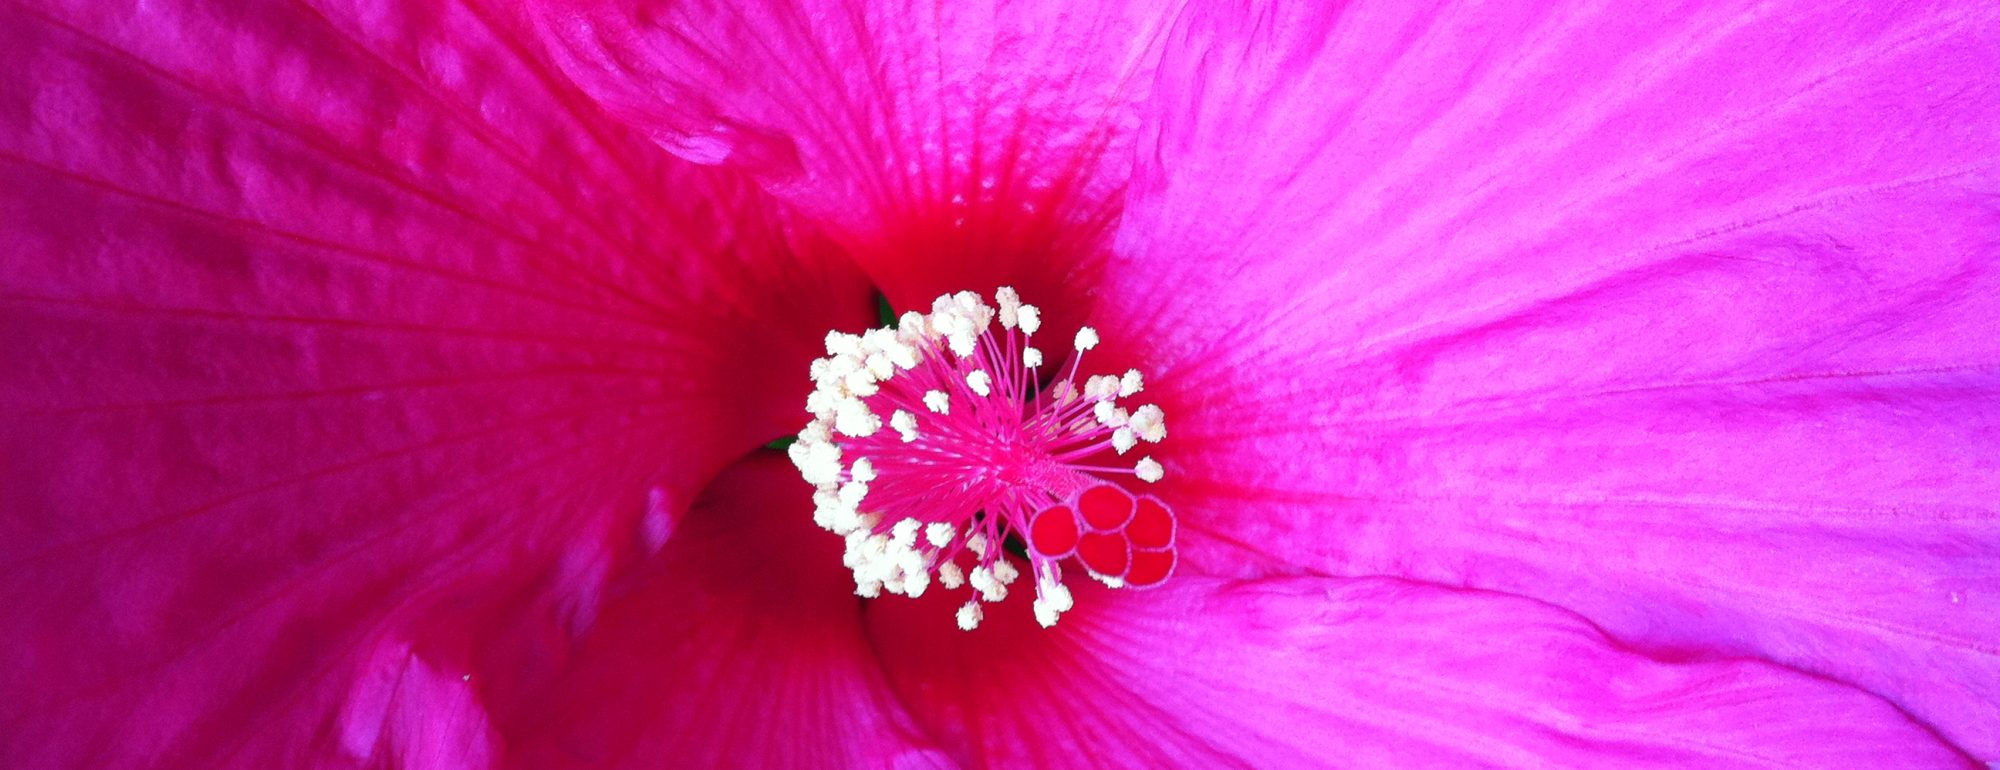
{"x": 385, "y": 383}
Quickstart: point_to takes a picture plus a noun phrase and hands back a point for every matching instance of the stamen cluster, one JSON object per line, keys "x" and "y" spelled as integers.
{"x": 935, "y": 441}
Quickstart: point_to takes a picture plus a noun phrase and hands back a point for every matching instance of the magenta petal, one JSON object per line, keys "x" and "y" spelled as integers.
{"x": 323, "y": 322}
{"x": 744, "y": 648}
{"x": 1310, "y": 672}
{"x": 407, "y": 713}
{"x": 1682, "y": 319}
{"x": 953, "y": 145}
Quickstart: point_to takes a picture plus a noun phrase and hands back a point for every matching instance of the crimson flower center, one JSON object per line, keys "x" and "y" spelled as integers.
{"x": 934, "y": 441}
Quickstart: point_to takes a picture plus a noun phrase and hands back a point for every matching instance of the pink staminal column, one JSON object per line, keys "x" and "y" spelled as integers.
{"x": 933, "y": 443}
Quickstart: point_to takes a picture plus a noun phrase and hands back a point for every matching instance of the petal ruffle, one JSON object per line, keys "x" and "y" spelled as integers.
{"x": 952, "y": 146}
{"x": 327, "y": 322}
{"x": 1318, "y": 672}
{"x": 1677, "y": 318}
{"x": 744, "y": 648}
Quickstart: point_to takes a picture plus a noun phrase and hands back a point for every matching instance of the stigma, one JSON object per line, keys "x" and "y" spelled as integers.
{"x": 944, "y": 454}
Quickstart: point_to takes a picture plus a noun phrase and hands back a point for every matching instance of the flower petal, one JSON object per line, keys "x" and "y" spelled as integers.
{"x": 744, "y": 648}
{"x": 952, "y": 146}
{"x": 1312, "y": 672}
{"x": 323, "y": 321}
{"x": 1678, "y": 318}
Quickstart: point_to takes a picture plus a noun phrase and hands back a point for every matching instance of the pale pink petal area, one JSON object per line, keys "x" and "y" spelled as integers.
{"x": 408, "y": 713}
{"x": 1682, "y": 319}
{"x": 741, "y": 647}
{"x": 952, "y": 146}
{"x": 347, "y": 352}
{"x": 1329, "y": 672}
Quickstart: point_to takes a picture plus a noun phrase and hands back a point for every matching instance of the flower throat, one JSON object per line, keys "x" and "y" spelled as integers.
{"x": 933, "y": 442}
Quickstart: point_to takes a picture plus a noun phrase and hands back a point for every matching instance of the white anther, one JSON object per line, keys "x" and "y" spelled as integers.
{"x": 962, "y": 344}
{"x": 990, "y": 588}
{"x": 819, "y": 463}
{"x": 820, "y": 404}
{"x": 1030, "y": 318}
{"x": 946, "y": 322}
{"x": 1149, "y": 471}
{"x": 976, "y": 543}
{"x": 944, "y": 317}
{"x": 1010, "y": 305}
{"x": 1005, "y": 572}
{"x": 1102, "y": 387}
{"x": 1045, "y": 614}
{"x": 961, "y": 318}
{"x": 1060, "y": 598}
{"x": 904, "y": 534}
{"x": 940, "y": 533}
{"x": 912, "y": 327}
{"x": 1131, "y": 383}
{"x": 848, "y": 520}
{"x": 1109, "y": 415}
{"x": 1031, "y": 358}
{"x": 1123, "y": 440}
{"x": 880, "y": 366}
{"x": 834, "y": 517}
{"x": 852, "y": 417}
{"x": 852, "y": 493}
{"x": 864, "y": 550}
{"x": 970, "y": 615}
{"x": 905, "y": 425}
{"x": 1150, "y": 423}
{"x": 824, "y": 510}
{"x": 980, "y": 382}
{"x": 1086, "y": 338}
{"x": 903, "y": 356}
{"x": 868, "y": 589}
{"x": 838, "y": 367}
{"x": 840, "y": 344}
{"x": 863, "y": 471}
{"x": 860, "y": 382}
{"x": 937, "y": 401}
{"x": 950, "y": 576}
